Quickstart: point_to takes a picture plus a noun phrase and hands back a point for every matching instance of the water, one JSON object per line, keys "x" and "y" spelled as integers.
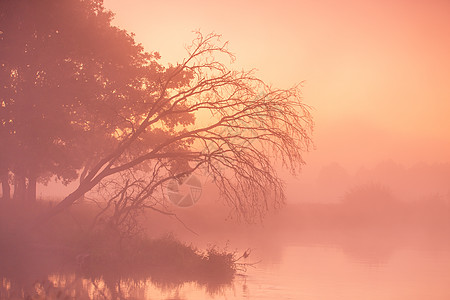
{"x": 328, "y": 272}
{"x": 296, "y": 268}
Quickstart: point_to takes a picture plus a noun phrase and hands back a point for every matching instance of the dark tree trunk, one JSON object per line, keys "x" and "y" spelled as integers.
{"x": 6, "y": 190}
{"x": 31, "y": 189}
{"x": 83, "y": 175}
{"x": 19, "y": 187}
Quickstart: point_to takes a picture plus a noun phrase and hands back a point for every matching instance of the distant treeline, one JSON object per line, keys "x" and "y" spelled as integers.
{"x": 372, "y": 205}
{"x": 407, "y": 183}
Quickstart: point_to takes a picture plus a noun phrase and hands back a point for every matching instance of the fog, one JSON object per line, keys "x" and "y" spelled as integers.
{"x": 144, "y": 161}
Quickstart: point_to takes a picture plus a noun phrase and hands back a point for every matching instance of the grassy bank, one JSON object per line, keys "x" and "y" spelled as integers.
{"x": 67, "y": 244}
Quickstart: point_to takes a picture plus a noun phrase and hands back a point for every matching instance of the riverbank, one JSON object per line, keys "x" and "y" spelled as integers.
{"x": 67, "y": 245}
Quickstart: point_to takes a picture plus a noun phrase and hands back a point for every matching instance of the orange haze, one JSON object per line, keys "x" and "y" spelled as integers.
{"x": 376, "y": 72}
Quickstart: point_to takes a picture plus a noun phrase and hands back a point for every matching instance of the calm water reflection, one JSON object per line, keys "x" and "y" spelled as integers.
{"x": 325, "y": 272}
{"x": 290, "y": 269}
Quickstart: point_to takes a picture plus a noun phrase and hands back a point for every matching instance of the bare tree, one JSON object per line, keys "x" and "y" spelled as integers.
{"x": 227, "y": 123}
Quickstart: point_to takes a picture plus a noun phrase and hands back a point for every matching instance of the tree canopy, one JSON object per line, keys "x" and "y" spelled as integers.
{"x": 81, "y": 93}
{"x": 69, "y": 81}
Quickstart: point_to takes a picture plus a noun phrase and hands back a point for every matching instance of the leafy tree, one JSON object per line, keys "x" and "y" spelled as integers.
{"x": 69, "y": 81}
{"x": 80, "y": 93}
{"x": 227, "y": 123}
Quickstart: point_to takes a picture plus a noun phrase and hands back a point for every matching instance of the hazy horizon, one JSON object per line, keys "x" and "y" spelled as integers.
{"x": 140, "y": 158}
{"x": 377, "y": 73}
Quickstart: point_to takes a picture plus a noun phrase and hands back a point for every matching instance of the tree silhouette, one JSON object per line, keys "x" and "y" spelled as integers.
{"x": 227, "y": 123}
{"x": 69, "y": 81}
{"x": 79, "y": 95}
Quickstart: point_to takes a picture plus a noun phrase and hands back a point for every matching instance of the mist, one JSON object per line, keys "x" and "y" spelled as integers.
{"x": 206, "y": 150}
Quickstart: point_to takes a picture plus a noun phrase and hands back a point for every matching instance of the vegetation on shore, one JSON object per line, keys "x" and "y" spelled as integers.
{"x": 67, "y": 244}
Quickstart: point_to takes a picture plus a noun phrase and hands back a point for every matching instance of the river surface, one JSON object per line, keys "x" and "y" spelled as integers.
{"x": 323, "y": 272}
{"x": 318, "y": 267}
{"x": 307, "y": 272}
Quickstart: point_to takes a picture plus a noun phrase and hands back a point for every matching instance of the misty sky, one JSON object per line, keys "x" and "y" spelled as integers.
{"x": 376, "y": 72}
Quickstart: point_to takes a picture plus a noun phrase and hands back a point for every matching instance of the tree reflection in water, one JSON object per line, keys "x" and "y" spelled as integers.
{"x": 110, "y": 286}
{"x": 45, "y": 274}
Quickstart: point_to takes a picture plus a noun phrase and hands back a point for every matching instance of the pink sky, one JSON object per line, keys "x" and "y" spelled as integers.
{"x": 376, "y": 72}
